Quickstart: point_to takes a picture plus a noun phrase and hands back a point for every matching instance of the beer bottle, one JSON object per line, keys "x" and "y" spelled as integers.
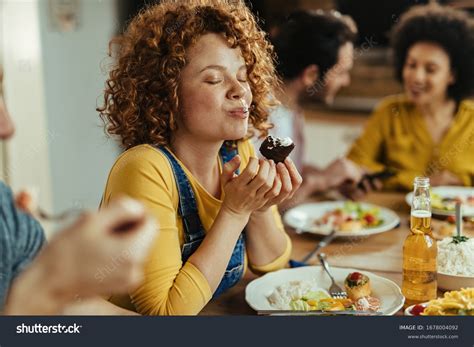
{"x": 419, "y": 249}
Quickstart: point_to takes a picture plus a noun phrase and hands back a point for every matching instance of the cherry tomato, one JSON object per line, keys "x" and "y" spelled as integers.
{"x": 355, "y": 276}
{"x": 417, "y": 310}
{"x": 369, "y": 218}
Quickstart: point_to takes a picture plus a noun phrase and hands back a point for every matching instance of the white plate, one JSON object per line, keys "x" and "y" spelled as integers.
{"x": 301, "y": 218}
{"x": 257, "y": 291}
{"x": 449, "y": 192}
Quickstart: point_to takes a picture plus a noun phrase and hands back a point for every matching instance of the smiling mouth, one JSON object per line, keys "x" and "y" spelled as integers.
{"x": 417, "y": 90}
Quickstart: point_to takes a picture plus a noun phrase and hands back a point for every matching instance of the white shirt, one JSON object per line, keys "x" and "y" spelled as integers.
{"x": 287, "y": 123}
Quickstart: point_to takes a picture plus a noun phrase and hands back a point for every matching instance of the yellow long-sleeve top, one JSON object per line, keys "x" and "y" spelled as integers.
{"x": 396, "y": 137}
{"x": 171, "y": 287}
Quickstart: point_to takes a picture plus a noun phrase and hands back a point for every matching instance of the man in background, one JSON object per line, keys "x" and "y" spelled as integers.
{"x": 314, "y": 57}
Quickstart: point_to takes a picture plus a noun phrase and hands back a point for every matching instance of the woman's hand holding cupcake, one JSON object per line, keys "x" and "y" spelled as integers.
{"x": 260, "y": 185}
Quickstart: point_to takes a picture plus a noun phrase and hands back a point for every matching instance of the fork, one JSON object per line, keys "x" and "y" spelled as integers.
{"x": 334, "y": 290}
{"x": 323, "y": 243}
{"x": 60, "y": 216}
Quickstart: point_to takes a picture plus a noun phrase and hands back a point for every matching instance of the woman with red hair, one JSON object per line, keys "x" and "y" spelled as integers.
{"x": 191, "y": 84}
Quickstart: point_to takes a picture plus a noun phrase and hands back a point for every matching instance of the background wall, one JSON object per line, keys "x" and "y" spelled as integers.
{"x": 27, "y": 155}
{"x": 74, "y": 76}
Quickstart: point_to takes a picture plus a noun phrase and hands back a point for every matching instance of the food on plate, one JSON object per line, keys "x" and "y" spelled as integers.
{"x": 456, "y": 256}
{"x": 351, "y": 225}
{"x": 296, "y": 294}
{"x": 448, "y": 203}
{"x": 27, "y": 200}
{"x": 417, "y": 310}
{"x": 308, "y": 296}
{"x": 276, "y": 148}
{"x": 454, "y": 303}
{"x": 352, "y": 217}
{"x": 448, "y": 228}
{"x": 331, "y": 304}
{"x": 357, "y": 285}
{"x": 367, "y": 303}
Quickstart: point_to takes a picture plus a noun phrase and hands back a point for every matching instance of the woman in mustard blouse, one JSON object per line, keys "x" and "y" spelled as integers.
{"x": 430, "y": 129}
{"x": 189, "y": 79}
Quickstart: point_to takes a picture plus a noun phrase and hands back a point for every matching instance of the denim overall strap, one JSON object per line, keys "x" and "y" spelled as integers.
{"x": 187, "y": 209}
{"x": 192, "y": 227}
{"x": 235, "y": 268}
{"x": 229, "y": 151}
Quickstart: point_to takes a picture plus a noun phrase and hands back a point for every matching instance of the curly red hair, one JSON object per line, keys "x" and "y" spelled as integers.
{"x": 141, "y": 96}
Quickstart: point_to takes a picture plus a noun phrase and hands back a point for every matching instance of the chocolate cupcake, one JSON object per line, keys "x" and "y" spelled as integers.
{"x": 276, "y": 149}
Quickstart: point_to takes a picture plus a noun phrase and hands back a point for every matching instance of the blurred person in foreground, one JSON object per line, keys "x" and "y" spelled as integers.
{"x": 40, "y": 279}
{"x": 314, "y": 57}
{"x": 429, "y": 130}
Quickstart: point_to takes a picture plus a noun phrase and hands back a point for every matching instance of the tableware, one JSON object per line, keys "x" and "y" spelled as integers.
{"x": 454, "y": 282}
{"x": 302, "y": 218}
{"x": 257, "y": 291}
{"x": 458, "y": 219}
{"x": 449, "y": 192}
{"x": 323, "y": 243}
{"x": 73, "y": 212}
{"x": 334, "y": 290}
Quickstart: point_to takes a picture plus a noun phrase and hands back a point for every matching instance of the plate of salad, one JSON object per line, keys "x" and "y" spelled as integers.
{"x": 444, "y": 199}
{"x": 303, "y": 289}
{"x": 348, "y": 218}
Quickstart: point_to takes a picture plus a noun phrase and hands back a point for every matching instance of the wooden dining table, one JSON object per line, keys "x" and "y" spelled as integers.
{"x": 380, "y": 254}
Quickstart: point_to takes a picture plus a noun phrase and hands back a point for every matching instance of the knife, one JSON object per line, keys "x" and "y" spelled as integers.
{"x": 323, "y": 243}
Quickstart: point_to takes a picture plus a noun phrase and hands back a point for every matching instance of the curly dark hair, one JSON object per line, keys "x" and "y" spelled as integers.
{"x": 451, "y": 29}
{"x": 311, "y": 37}
{"x": 141, "y": 100}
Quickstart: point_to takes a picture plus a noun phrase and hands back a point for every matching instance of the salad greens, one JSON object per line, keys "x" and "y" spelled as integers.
{"x": 368, "y": 216}
{"x": 459, "y": 239}
{"x": 312, "y": 296}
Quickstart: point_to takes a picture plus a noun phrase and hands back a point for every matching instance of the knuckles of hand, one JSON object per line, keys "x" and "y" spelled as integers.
{"x": 259, "y": 179}
{"x": 286, "y": 189}
{"x": 298, "y": 180}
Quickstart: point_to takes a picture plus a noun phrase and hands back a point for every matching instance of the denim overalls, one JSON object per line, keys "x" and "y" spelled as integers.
{"x": 194, "y": 232}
